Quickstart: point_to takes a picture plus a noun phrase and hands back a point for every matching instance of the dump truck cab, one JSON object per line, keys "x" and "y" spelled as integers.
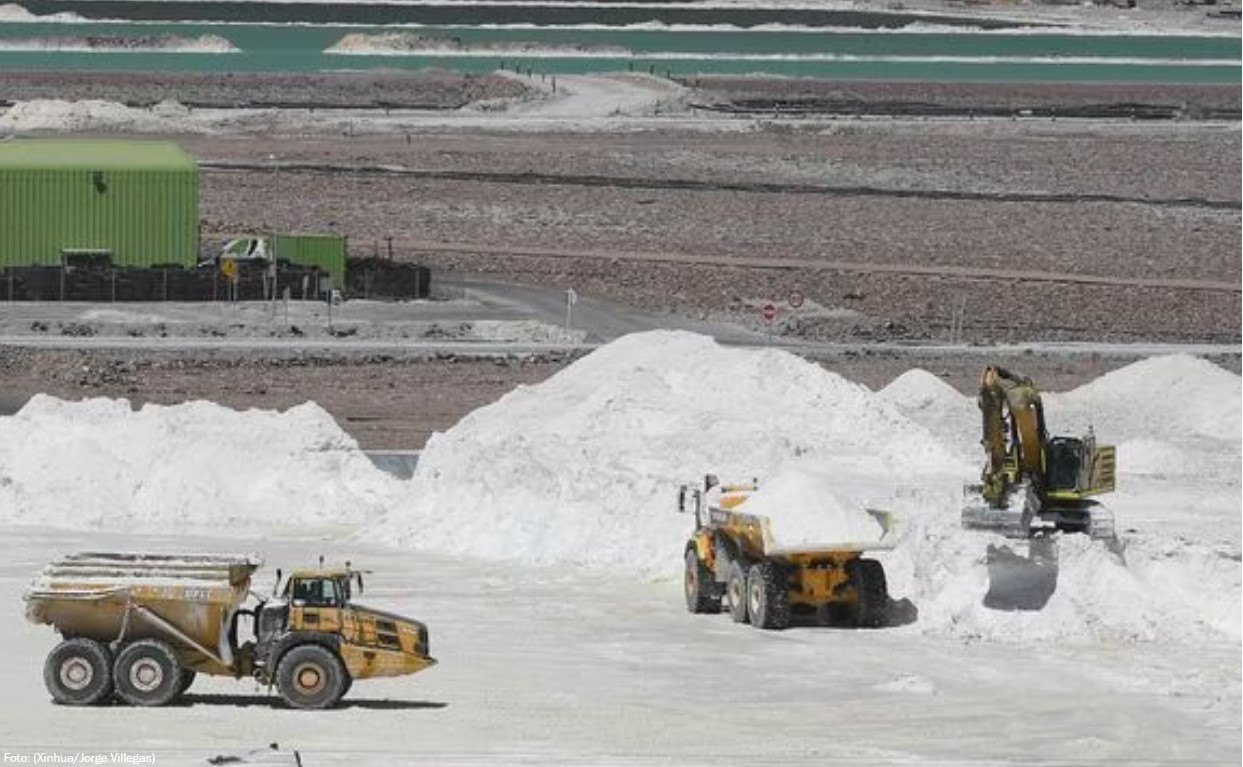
{"x": 316, "y": 606}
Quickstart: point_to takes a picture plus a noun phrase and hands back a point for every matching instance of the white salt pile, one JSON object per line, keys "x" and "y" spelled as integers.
{"x": 1178, "y": 395}
{"x": 12, "y": 13}
{"x": 85, "y": 115}
{"x": 121, "y": 44}
{"x": 196, "y": 466}
{"x": 408, "y": 43}
{"x": 583, "y": 468}
{"x": 934, "y": 404}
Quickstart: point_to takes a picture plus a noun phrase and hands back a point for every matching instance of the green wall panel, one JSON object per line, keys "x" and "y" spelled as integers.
{"x": 105, "y": 196}
{"x": 327, "y": 251}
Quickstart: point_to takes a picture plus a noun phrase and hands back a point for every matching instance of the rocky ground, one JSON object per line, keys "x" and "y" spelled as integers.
{"x": 428, "y": 89}
{"x": 908, "y": 230}
{"x": 1014, "y": 231}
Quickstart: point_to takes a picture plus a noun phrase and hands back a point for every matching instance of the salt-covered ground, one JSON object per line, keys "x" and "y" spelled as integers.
{"x": 467, "y": 319}
{"x": 538, "y": 539}
{"x": 121, "y": 44}
{"x": 587, "y": 103}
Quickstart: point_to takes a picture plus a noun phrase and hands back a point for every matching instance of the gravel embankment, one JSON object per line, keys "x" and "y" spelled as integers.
{"x": 1116, "y": 201}
{"x": 793, "y": 95}
{"x": 425, "y": 89}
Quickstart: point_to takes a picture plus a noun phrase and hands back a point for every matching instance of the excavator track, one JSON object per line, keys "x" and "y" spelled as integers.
{"x": 1019, "y": 520}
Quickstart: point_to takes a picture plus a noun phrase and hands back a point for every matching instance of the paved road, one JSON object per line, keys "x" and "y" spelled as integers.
{"x": 975, "y": 273}
{"x": 598, "y": 320}
{"x": 603, "y": 321}
{"x": 493, "y": 349}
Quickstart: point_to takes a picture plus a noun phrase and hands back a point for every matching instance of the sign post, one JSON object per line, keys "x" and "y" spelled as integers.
{"x": 325, "y": 287}
{"x": 228, "y": 267}
{"x": 571, "y": 298}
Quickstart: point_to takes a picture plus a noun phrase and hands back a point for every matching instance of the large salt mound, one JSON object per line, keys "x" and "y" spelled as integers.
{"x": 938, "y": 407}
{"x": 196, "y": 466}
{"x": 1155, "y": 396}
{"x": 583, "y": 468}
{"x": 917, "y": 389}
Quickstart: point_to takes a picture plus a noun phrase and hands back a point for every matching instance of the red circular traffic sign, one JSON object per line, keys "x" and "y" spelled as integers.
{"x": 769, "y": 313}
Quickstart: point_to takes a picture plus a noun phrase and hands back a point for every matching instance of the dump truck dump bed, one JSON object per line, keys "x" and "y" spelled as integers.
{"x": 757, "y": 533}
{"x": 92, "y": 594}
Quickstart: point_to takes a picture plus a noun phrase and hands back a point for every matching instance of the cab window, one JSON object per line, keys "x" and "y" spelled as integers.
{"x": 319, "y": 592}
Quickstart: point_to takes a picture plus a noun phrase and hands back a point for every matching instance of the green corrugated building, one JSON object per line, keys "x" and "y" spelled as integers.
{"x": 134, "y": 201}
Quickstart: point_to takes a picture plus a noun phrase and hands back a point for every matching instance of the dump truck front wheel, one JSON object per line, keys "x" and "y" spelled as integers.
{"x": 873, "y": 593}
{"x": 78, "y": 672}
{"x": 147, "y": 673}
{"x": 768, "y": 596}
{"x": 736, "y": 589}
{"x": 310, "y": 676}
{"x": 701, "y": 593}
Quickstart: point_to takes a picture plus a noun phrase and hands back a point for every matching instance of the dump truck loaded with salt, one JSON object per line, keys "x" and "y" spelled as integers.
{"x": 787, "y": 549}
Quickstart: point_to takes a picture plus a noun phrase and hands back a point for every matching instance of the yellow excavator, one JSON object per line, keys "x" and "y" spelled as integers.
{"x": 1032, "y": 483}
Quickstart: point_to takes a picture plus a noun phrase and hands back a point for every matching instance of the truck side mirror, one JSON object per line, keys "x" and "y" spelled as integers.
{"x": 276, "y": 586}
{"x": 359, "y": 577}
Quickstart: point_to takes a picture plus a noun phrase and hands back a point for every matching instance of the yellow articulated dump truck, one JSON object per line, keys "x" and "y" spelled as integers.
{"x": 735, "y": 561}
{"x": 141, "y": 626}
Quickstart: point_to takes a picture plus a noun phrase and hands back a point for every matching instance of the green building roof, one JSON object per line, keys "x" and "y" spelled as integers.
{"x": 75, "y": 154}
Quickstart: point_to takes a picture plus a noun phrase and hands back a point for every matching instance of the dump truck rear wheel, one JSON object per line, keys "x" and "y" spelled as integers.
{"x": 869, "y": 577}
{"x": 768, "y": 597}
{"x": 310, "y": 676}
{"x": 78, "y": 672}
{"x": 736, "y": 588}
{"x": 187, "y": 679}
{"x": 701, "y": 594}
{"x": 147, "y": 673}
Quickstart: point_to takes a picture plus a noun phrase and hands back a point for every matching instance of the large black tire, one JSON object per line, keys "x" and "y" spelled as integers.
{"x": 871, "y": 610}
{"x": 310, "y": 676}
{"x": 78, "y": 672}
{"x": 147, "y": 673}
{"x": 768, "y": 596}
{"x": 700, "y": 587}
{"x": 187, "y": 679}
{"x": 736, "y": 590}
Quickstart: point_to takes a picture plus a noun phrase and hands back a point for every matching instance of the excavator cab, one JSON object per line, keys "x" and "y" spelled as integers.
{"x": 1065, "y": 464}
{"x": 1076, "y": 468}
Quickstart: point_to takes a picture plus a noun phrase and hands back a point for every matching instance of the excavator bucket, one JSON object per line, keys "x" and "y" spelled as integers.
{"x": 1022, "y": 582}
